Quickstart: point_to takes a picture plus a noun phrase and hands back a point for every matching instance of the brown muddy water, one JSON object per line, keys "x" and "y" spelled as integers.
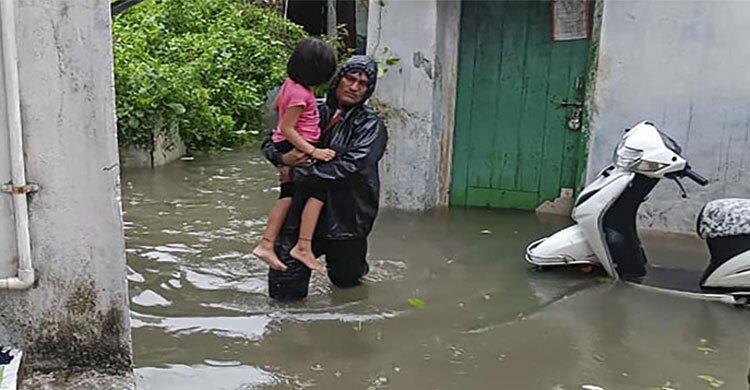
{"x": 201, "y": 318}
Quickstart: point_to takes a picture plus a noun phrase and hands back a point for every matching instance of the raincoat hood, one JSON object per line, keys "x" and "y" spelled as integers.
{"x": 360, "y": 63}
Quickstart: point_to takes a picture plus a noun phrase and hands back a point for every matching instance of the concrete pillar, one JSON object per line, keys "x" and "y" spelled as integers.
{"x": 416, "y": 97}
{"x": 331, "y": 30}
{"x": 76, "y": 315}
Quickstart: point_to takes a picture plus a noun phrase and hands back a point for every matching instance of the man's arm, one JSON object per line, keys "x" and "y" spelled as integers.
{"x": 269, "y": 151}
{"x": 366, "y": 150}
{"x": 293, "y": 158}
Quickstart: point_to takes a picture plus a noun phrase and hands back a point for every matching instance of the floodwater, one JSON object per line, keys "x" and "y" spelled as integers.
{"x": 201, "y": 318}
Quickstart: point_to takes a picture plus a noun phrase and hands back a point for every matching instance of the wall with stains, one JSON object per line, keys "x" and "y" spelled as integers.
{"x": 415, "y": 96}
{"x": 683, "y": 66}
{"x": 75, "y": 317}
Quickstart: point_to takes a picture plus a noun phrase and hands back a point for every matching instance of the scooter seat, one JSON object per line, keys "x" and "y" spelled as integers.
{"x": 724, "y": 218}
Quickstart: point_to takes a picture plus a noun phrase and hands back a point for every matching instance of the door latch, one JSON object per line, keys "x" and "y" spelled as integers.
{"x": 574, "y": 120}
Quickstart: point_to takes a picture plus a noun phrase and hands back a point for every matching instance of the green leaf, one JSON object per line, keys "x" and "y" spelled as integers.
{"x": 604, "y": 279}
{"x": 392, "y": 61}
{"x": 177, "y": 108}
{"x": 133, "y": 122}
{"x": 706, "y": 350}
{"x": 417, "y": 303}
{"x": 713, "y": 382}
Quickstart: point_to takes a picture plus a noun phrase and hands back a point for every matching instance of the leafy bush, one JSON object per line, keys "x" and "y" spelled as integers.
{"x": 198, "y": 67}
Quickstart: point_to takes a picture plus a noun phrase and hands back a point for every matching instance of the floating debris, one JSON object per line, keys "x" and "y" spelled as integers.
{"x": 456, "y": 351}
{"x": 703, "y": 347}
{"x": 713, "y": 382}
{"x": 417, "y": 303}
{"x": 706, "y": 350}
{"x": 486, "y": 231}
{"x": 667, "y": 386}
{"x": 381, "y": 381}
{"x": 591, "y": 387}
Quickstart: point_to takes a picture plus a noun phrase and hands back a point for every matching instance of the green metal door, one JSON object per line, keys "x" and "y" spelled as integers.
{"x": 513, "y": 147}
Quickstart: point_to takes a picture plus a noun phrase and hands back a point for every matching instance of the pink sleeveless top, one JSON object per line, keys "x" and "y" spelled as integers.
{"x": 293, "y": 95}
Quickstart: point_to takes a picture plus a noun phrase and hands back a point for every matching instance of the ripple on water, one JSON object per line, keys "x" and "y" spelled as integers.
{"x": 150, "y": 298}
{"x": 250, "y": 328}
{"x": 385, "y": 270}
{"x": 208, "y": 376}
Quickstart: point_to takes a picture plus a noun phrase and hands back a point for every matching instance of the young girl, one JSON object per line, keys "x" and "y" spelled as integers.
{"x": 312, "y": 63}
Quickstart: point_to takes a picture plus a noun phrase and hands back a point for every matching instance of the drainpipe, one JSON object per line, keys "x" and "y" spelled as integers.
{"x": 18, "y": 187}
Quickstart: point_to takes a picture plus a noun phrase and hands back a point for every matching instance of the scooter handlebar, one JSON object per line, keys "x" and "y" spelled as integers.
{"x": 694, "y": 176}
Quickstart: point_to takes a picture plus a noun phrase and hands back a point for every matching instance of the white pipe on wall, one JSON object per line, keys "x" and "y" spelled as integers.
{"x": 18, "y": 188}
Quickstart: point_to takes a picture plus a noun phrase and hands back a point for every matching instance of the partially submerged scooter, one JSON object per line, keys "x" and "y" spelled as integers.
{"x": 605, "y": 233}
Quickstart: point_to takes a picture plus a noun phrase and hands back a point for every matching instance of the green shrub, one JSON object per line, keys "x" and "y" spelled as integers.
{"x": 198, "y": 67}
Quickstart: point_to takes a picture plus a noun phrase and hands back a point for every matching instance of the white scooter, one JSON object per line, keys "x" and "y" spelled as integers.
{"x": 606, "y": 234}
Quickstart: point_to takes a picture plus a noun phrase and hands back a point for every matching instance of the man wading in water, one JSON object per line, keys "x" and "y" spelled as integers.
{"x": 350, "y": 181}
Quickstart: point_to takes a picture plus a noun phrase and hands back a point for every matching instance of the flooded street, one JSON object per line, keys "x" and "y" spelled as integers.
{"x": 201, "y": 318}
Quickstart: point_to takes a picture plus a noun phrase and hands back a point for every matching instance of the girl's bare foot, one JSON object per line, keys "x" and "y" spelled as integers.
{"x": 265, "y": 252}
{"x": 307, "y": 258}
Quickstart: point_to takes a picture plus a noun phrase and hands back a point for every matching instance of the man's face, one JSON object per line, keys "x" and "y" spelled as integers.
{"x": 352, "y": 88}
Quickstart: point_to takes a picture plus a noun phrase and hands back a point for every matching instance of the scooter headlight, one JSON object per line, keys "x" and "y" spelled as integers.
{"x": 649, "y": 166}
{"x": 626, "y": 157}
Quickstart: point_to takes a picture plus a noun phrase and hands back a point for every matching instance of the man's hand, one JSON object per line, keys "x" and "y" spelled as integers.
{"x": 284, "y": 174}
{"x": 295, "y": 158}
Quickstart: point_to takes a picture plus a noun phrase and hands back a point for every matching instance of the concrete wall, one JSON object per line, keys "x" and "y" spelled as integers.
{"x": 416, "y": 95}
{"x": 684, "y": 66}
{"x": 76, "y": 316}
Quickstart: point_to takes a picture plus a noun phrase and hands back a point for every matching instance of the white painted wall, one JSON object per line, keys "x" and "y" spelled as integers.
{"x": 414, "y": 94}
{"x": 77, "y": 314}
{"x": 686, "y": 67}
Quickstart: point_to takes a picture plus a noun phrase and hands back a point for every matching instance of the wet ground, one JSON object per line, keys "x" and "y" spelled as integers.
{"x": 201, "y": 318}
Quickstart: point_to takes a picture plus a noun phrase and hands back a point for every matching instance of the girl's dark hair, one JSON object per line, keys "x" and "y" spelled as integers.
{"x": 312, "y": 63}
